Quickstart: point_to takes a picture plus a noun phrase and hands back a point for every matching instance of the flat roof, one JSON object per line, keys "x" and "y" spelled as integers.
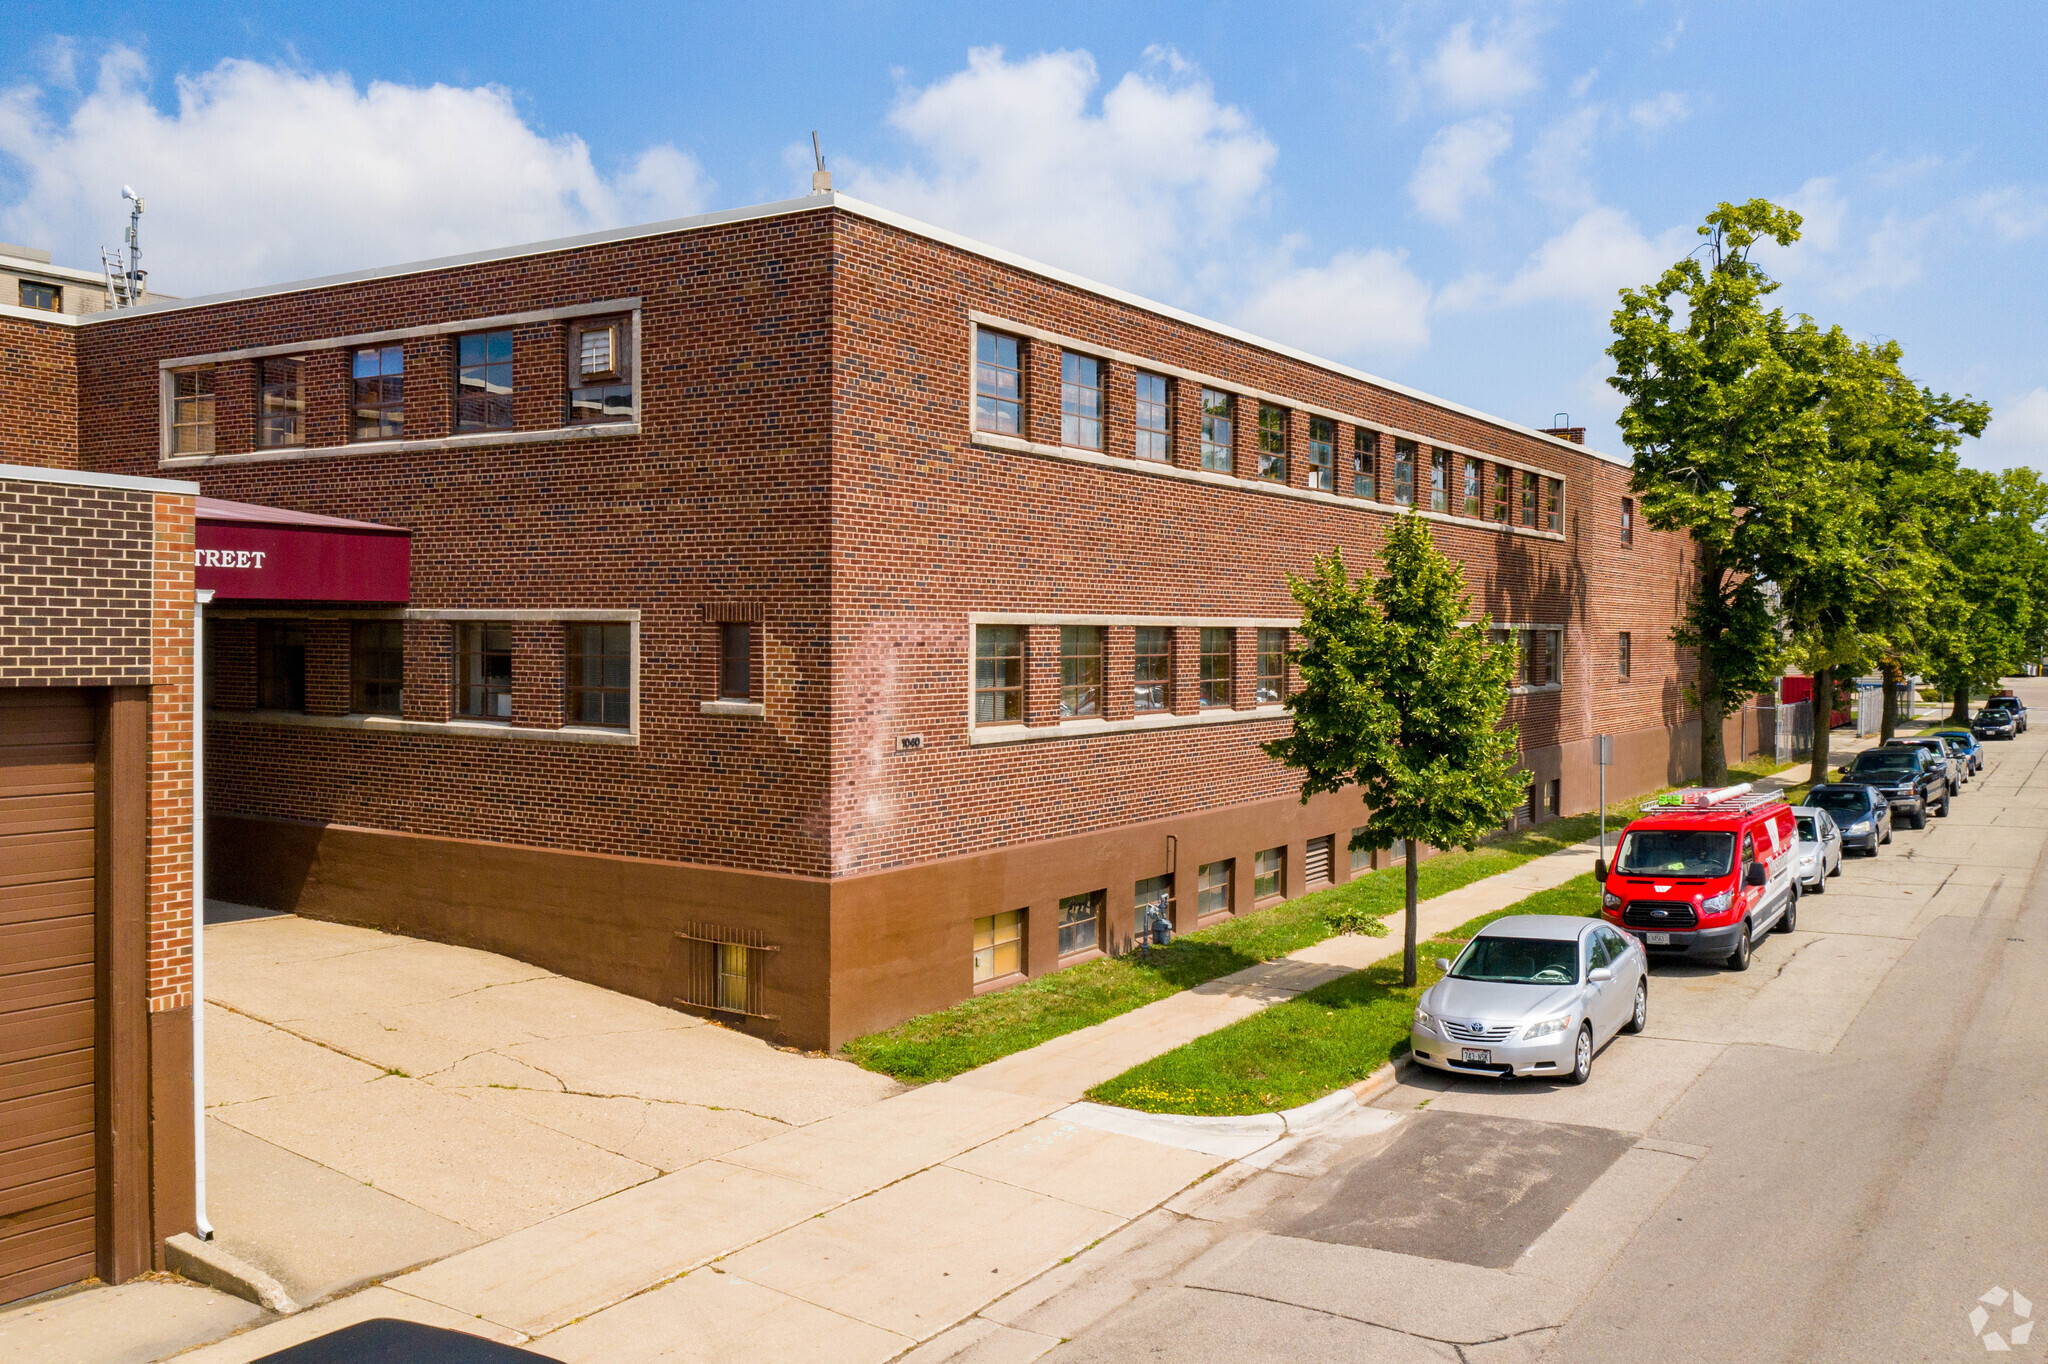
{"x": 80, "y": 478}
{"x": 221, "y": 510}
{"x": 846, "y": 203}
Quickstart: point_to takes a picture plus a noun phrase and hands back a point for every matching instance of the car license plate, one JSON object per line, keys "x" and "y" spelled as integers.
{"x": 1477, "y": 1056}
{"x": 1657, "y": 939}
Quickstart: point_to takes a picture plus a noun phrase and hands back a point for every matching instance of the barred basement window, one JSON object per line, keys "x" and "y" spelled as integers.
{"x": 998, "y": 674}
{"x": 1404, "y": 472}
{"x": 1219, "y": 655}
{"x": 998, "y": 946}
{"x": 280, "y": 405}
{"x": 598, "y": 689}
{"x": 998, "y": 384}
{"x": 601, "y": 370}
{"x": 1216, "y": 431}
{"x": 1212, "y": 887}
{"x": 1365, "y": 458}
{"x": 1472, "y": 505}
{"x": 1272, "y": 443}
{"x": 1080, "y": 401}
{"x": 483, "y": 671}
{"x": 280, "y": 665}
{"x": 483, "y": 382}
{"x": 192, "y": 411}
{"x": 378, "y": 376}
{"x": 1152, "y": 669}
{"x": 1272, "y": 676}
{"x": 1154, "y": 417}
{"x": 1080, "y": 671}
{"x": 377, "y": 667}
{"x": 723, "y": 969}
{"x": 1081, "y": 923}
{"x": 1269, "y": 874}
{"x": 1322, "y": 453}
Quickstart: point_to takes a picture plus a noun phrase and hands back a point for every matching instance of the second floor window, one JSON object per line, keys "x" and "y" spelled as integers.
{"x": 192, "y": 412}
{"x": 1440, "y": 480}
{"x": 1272, "y": 680}
{"x": 998, "y": 384}
{"x": 1365, "y": 458}
{"x": 1080, "y": 401}
{"x": 1151, "y": 669}
{"x": 483, "y": 382}
{"x": 1272, "y": 443}
{"x": 1471, "y": 502}
{"x": 1528, "y": 499}
{"x": 600, "y": 370}
{"x": 1216, "y": 431}
{"x": 1503, "y": 492}
{"x": 1628, "y": 520}
{"x": 598, "y": 687}
{"x": 1153, "y": 417}
{"x": 1540, "y": 657}
{"x": 280, "y": 404}
{"x": 1553, "y": 505}
{"x": 483, "y": 671}
{"x": 1219, "y": 656}
{"x": 1404, "y": 472}
{"x": 1322, "y": 453}
{"x": 1080, "y": 671}
{"x": 376, "y": 667}
{"x": 998, "y": 674}
{"x": 379, "y": 407}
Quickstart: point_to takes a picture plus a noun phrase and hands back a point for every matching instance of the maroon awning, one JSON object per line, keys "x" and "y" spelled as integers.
{"x": 251, "y": 553}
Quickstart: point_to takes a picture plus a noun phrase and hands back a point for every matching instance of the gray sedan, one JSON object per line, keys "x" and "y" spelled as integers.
{"x": 1820, "y": 848}
{"x": 1533, "y": 994}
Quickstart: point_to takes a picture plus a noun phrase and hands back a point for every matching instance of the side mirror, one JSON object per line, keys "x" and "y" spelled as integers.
{"x": 1756, "y": 875}
{"x": 1599, "y": 869}
{"x": 1599, "y": 974}
{"x": 1443, "y": 964}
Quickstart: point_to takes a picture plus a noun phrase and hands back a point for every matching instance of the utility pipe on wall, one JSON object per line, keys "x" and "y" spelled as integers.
{"x": 200, "y": 599}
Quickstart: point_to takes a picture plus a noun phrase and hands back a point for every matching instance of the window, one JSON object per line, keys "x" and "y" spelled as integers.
{"x": 1528, "y": 499}
{"x": 1553, "y": 798}
{"x": 1212, "y": 888}
{"x": 1154, "y": 893}
{"x": 280, "y": 665}
{"x": 1218, "y": 656}
{"x": 1080, "y": 923}
{"x": 376, "y": 667}
{"x": 1216, "y": 431}
{"x": 1152, "y": 669}
{"x": 598, "y": 687}
{"x": 1154, "y": 417}
{"x": 1471, "y": 501}
{"x": 1404, "y": 472}
{"x": 735, "y": 661}
{"x": 732, "y": 976}
{"x": 1361, "y": 858}
{"x": 379, "y": 375}
{"x": 483, "y": 671}
{"x": 46, "y": 298}
{"x": 483, "y": 381}
{"x": 1322, "y": 453}
{"x": 1553, "y": 505}
{"x": 1269, "y": 874}
{"x": 280, "y": 406}
{"x": 1272, "y": 684}
{"x": 1540, "y": 650}
{"x": 192, "y": 412}
{"x": 1365, "y": 458}
{"x": 1080, "y": 401}
{"x": 1628, "y": 520}
{"x": 1080, "y": 670}
{"x": 1503, "y": 492}
{"x": 1272, "y": 443}
{"x": 601, "y": 370}
{"x": 998, "y": 674}
{"x": 998, "y": 384}
{"x": 1440, "y": 480}
{"x": 998, "y": 946}
{"x": 1623, "y": 660}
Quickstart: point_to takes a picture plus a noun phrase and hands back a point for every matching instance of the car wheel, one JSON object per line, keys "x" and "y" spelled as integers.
{"x": 1946, "y": 801}
{"x": 1640, "y": 1019}
{"x": 1582, "y": 1056}
{"x": 1738, "y": 960}
{"x": 1887, "y": 838}
{"x": 1820, "y": 886}
{"x": 1789, "y": 920}
{"x": 1920, "y": 815}
{"x": 1838, "y": 868}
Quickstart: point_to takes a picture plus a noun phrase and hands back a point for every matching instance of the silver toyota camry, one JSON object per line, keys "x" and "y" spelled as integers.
{"x": 1533, "y": 994}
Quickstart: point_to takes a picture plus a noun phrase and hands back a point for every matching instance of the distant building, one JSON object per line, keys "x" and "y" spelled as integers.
{"x": 29, "y": 280}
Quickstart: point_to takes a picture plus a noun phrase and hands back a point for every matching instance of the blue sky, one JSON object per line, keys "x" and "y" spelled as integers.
{"x": 1447, "y": 194}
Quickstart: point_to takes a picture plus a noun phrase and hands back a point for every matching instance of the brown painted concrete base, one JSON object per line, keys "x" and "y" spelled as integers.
{"x": 172, "y": 1195}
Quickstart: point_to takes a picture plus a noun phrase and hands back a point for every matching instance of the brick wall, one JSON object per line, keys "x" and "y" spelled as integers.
{"x": 173, "y": 677}
{"x": 38, "y": 394}
{"x": 76, "y": 574}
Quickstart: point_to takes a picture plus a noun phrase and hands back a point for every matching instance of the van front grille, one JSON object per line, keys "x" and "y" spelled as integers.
{"x": 1659, "y": 914}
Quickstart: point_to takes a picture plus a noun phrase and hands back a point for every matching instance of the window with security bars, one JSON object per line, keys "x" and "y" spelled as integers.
{"x": 1470, "y": 503}
{"x": 1153, "y": 417}
{"x": 1080, "y": 671}
{"x": 1272, "y": 673}
{"x": 1322, "y": 453}
{"x": 998, "y": 946}
{"x": 1081, "y": 923}
{"x": 1553, "y": 505}
{"x": 280, "y": 403}
{"x": 1269, "y": 874}
{"x": 1365, "y": 459}
{"x": 724, "y": 969}
{"x": 1503, "y": 492}
{"x": 1218, "y": 419}
{"x": 192, "y": 411}
{"x": 1272, "y": 443}
{"x": 377, "y": 378}
{"x": 601, "y": 370}
{"x": 1404, "y": 472}
{"x": 1080, "y": 401}
{"x": 1219, "y": 655}
{"x": 483, "y": 381}
{"x": 483, "y": 671}
{"x": 376, "y": 667}
{"x": 1212, "y": 887}
{"x": 1152, "y": 669}
{"x": 998, "y": 674}
{"x": 281, "y": 665}
{"x": 998, "y": 384}
{"x": 598, "y": 688}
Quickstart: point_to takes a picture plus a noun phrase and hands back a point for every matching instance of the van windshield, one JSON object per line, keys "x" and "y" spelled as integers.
{"x": 1675, "y": 852}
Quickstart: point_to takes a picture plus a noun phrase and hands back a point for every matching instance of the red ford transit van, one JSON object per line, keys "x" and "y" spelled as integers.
{"x": 1705, "y": 873}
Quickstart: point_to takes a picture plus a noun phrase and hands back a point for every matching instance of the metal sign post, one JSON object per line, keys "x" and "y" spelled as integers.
{"x": 1603, "y": 752}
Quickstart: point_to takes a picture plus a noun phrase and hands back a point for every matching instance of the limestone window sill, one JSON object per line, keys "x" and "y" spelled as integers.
{"x": 736, "y": 710}
{"x": 466, "y": 729}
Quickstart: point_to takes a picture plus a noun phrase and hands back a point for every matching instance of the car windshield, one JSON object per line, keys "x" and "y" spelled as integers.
{"x": 1519, "y": 961}
{"x": 1956, "y": 738}
{"x": 1887, "y": 761}
{"x": 1809, "y": 832}
{"x": 1675, "y": 852}
{"x": 1831, "y": 801}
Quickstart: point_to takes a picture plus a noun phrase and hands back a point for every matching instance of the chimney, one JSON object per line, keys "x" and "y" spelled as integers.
{"x": 1575, "y": 434}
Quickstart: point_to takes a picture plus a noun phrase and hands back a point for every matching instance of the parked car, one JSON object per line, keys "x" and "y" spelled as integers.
{"x": 1995, "y": 722}
{"x": 1820, "y": 848}
{"x": 1533, "y": 994}
{"x": 1951, "y": 760}
{"x": 1706, "y": 873}
{"x": 1861, "y": 812}
{"x": 1912, "y": 779}
{"x": 2013, "y": 704}
{"x": 1963, "y": 739}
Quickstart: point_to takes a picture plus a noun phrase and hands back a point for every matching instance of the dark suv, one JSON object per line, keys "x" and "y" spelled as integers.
{"x": 1952, "y": 758}
{"x": 2012, "y": 704}
{"x": 1912, "y": 779}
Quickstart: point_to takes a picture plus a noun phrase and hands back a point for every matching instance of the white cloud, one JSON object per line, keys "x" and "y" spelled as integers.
{"x": 1556, "y": 168}
{"x": 1667, "y": 108}
{"x": 1830, "y": 260}
{"x": 2014, "y": 214}
{"x": 1584, "y": 83}
{"x": 1601, "y": 253}
{"x": 265, "y": 173}
{"x": 2018, "y": 434}
{"x": 1453, "y": 169}
{"x": 1361, "y": 302}
{"x": 1475, "y": 73}
{"x": 1011, "y": 152}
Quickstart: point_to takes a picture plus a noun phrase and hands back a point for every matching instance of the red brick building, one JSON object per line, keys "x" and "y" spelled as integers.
{"x": 814, "y": 617}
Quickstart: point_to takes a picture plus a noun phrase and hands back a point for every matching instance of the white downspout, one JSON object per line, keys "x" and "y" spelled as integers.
{"x": 200, "y": 599}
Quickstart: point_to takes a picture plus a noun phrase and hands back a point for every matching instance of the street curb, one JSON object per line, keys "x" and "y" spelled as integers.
{"x": 203, "y": 1262}
{"x": 1237, "y": 1136}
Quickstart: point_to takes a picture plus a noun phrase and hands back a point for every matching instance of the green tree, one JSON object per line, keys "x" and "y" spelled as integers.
{"x": 1401, "y": 700}
{"x": 1991, "y": 615}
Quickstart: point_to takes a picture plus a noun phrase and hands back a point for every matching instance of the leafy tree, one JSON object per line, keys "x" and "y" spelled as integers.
{"x": 1401, "y": 700}
{"x": 1991, "y": 616}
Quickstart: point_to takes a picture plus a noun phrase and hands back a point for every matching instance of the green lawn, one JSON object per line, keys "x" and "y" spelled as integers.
{"x": 1303, "y": 1048}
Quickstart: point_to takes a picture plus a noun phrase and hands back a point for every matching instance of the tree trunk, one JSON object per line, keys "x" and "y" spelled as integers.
{"x": 1889, "y": 724}
{"x": 1713, "y": 712}
{"x": 1959, "y": 702}
{"x": 1823, "y": 704}
{"x": 1408, "y": 949}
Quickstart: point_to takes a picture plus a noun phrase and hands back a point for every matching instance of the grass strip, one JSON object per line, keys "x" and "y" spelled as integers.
{"x": 1314, "y": 1044}
{"x": 949, "y": 1042}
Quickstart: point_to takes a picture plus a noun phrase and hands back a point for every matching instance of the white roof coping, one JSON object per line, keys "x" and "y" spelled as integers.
{"x": 80, "y": 478}
{"x": 860, "y": 208}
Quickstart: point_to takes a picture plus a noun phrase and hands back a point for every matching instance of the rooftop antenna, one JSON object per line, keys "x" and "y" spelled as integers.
{"x": 126, "y": 284}
{"x": 821, "y": 179}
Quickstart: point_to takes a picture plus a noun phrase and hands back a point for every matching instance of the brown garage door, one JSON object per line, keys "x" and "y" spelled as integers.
{"x": 47, "y": 1173}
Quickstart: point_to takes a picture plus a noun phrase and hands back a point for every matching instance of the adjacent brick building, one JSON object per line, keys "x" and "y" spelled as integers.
{"x": 814, "y": 617}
